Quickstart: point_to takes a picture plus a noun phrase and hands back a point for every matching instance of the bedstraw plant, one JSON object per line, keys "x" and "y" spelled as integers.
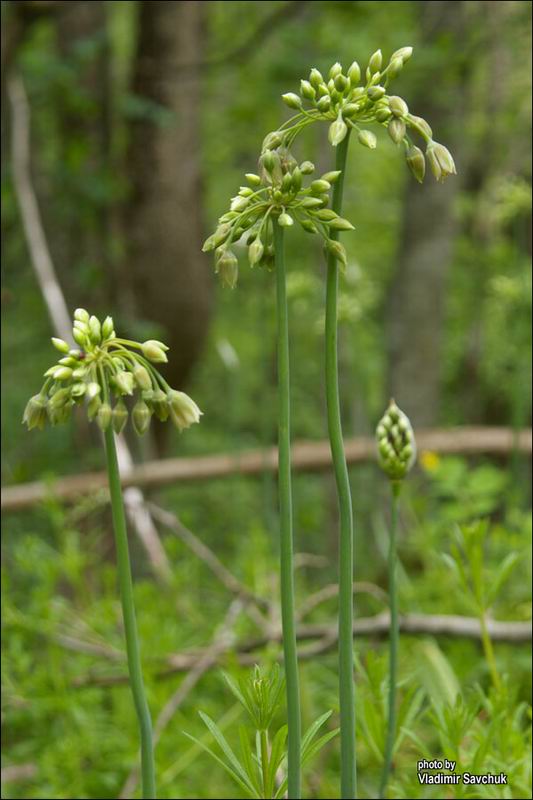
{"x": 351, "y": 102}
{"x": 104, "y": 370}
{"x": 396, "y": 449}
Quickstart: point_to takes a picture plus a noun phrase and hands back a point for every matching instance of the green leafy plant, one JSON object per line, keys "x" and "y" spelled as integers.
{"x": 259, "y": 769}
{"x": 106, "y": 367}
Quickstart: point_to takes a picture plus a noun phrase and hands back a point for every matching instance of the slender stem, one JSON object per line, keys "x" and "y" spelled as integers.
{"x": 285, "y": 507}
{"x": 263, "y": 736}
{"x": 130, "y": 624}
{"x": 489, "y": 650}
{"x": 346, "y": 678}
{"x": 393, "y": 643}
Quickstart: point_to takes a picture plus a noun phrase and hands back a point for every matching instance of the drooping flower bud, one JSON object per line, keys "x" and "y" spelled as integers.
{"x": 416, "y": 162}
{"x": 307, "y": 167}
{"x": 227, "y": 266}
{"x": 159, "y": 404}
{"x": 320, "y": 186}
{"x": 421, "y": 126}
{"x": 376, "y": 93}
{"x": 82, "y": 315}
{"x": 104, "y": 416}
{"x": 396, "y": 130}
{"x": 292, "y": 100}
{"x": 336, "y": 249}
{"x": 396, "y": 444}
{"x": 124, "y": 382}
{"x": 440, "y": 160}
{"x": 120, "y": 417}
{"x": 152, "y": 350}
{"x": 395, "y": 67}
{"x": 285, "y": 220}
{"x": 183, "y": 410}
{"x": 368, "y": 139}
{"x": 142, "y": 376}
{"x": 255, "y": 252}
{"x": 398, "y": 106}
{"x": 140, "y": 416}
{"x": 324, "y": 104}
{"x": 35, "y": 412}
{"x": 383, "y": 114}
{"x": 337, "y": 131}
{"x": 341, "y": 224}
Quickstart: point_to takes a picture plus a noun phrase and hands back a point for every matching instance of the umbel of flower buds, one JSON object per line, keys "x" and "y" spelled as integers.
{"x": 396, "y": 444}
{"x": 347, "y": 101}
{"x": 102, "y": 371}
{"x": 276, "y": 196}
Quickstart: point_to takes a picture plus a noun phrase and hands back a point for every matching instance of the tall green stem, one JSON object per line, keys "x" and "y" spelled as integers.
{"x": 285, "y": 508}
{"x": 346, "y": 677}
{"x": 393, "y": 642}
{"x": 130, "y": 624}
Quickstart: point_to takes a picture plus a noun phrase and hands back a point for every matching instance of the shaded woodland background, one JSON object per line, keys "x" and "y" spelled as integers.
{"x": 144, "y": 117}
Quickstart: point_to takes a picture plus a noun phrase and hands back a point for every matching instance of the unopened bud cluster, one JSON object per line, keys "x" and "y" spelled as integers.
{"x": 103, "y": 370}
{"x": 276, "y": 196}
{"x": 395, "y": 443}
{"x": 353, "y": 99}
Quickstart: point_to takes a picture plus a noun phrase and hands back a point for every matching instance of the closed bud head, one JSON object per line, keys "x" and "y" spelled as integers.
{"x": 80, "y": 337}
{"x": 292, "y": 100}
{"x": 421, "y": 126}
{"x": 337, "y": 131}
{"x": 398, "y": 106}
{"x": 396, "y": 129}
{"x": 140, "y": 416}
{"x": 376, "y": 60}
{"x": 307, "y": 91}
{"x": 354, "y": 73}
{"x": 331, "y": 177}
{"x": 383, "y": 114}
{"x": 152, "y": 350}
{"x": 104, "y": 416}
{"x": 62, "y": 373}
{"x": 308, "y": 225}
{"x": 416, "y": 162}
{"x": 119, "y": 417}
{"x": 368, "y": 139}
{"x": 255, "y": 252}
{"x": 320, "y": 186}
{"x": 396, "y": 444}
{"x": 183, "y": 410}
{"x": 440, "y": 160}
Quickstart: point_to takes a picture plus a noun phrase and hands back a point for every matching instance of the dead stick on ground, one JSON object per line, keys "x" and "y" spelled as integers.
{"x": 55, "y": 301}
{"x": 222, "y": 640}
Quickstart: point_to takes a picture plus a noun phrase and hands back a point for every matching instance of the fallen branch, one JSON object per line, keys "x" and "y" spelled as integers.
{"x": 323, "y": 637}
{"x": 306, "y": 456}
{"x": 57, "y": 308}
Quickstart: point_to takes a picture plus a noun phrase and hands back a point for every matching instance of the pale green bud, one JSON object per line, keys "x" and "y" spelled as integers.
{"x": 376, "y": 60}
{"x": 315, "y": 78}
{"x": 324, "y": 104}
{"x": 395, "y": 67}
{"x": 336, "y": 249}
{"x": 292, "y": 100}
{"x": 350, "y": 110}
{"x": 93, "y": 406}
{"x": 140, "y": 416}
{"x": 404, "y": 53}
{"x": 396, "y": 129}
{"x": 322, "y": 90}
{"x": 93, "y": 390}
{"x": 306, "y": 90}
{"x": 104, "y": 416}
{"x": 395, "y": 443}
{"x": 421, "y": 126}
{"x": 80, "y": 337}
{"x": 307, "y": 167}
{"x": 341, "y": 83}
{"x": 416, "y": 162}
{"x": 160, "y": 404}
{"x": 183, "y": 410}
{"x": 331, "y": 177}
{"x": 368, "y": 139}
{"x": 119, "y": 417}
{"x": 68, "y": 361}
{"x": 152, "y": 350}
{"x": 354, "y": 73}
{"x": 325, "y": 214}
{"x": 308, "y": 226}
{"x": 108, "y": 329}
{"x": 124, "y": 381}
{"x": 383, "y": 114}
{"x": 285, "y": 220}
{"x": 440, "y": 160}
{"x": 335, "y": 70}
{"x": 272, "y": 140}
{"x": 312, "y": 202}
{"x": 81, "y": 314}
{"x": 398, "y": 106}
{"x": 62, "y": 373}
{"x": 255, "y": 252}
{"x": 78, "y": 389}
{"x": 341, "y": 224}
{"x": 337, "y": 131}
{"x": 320, "y": 186}
{"x": 376, "y": 93}
{"x": 142, "y": 377}
{"x": 60, "y": 345}
{"x": 227, "y": 267}
{"x": 239, "y": 203}
{"x": 35, "y": 412}
{"x": 95, "y": 330}
{"x": 253, "y": 179}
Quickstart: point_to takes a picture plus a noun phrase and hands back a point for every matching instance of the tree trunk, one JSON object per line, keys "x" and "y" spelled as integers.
{"x": 169, "y": 277}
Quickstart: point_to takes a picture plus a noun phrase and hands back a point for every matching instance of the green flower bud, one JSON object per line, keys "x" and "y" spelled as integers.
{"x": 140, "y": 416}
{"x": 79, "y": 337}
{"x": 308, "y": 226}
{"x": 320, "y": 186}
{"x": 227, "y": 267}
{"x": 421, "y": 126}
{"x": 416, "y": 162}
{"x": 108, "y": 329}
{"x": 272, "y": 140}
{"x": 152, "y": 350}
{"x": 285, "y": 220}
{"x": 62, "y": 373}
{"x": 292, "y": 100}
{"x": 331, "y": 177}
{"x": 324, "y": 104}
{"x": 376, "y": 60}
{"x": 337, "y": 131}
{"x": 124, "y": 381}
{"x": 253, "y": 179}
{"x": 306, "y": 90}
{"x": 183, "y": 410}
{"x": 307, "y": 167}
{"x": 326, "y": 214}
{"x": 93, "y": 390}
{"x": 396, "y": 130}
{"x": 104, "y": 416}
{"x": 336, "y": 250}
{"x": 341, "y": 224}
{"x": 159, "y": 404}
{"x": 396, "y": 444}
{"x": 404, "y": 53}
{"x": 354, "y": 73}
{"x": 312, "y": 202}
{"x": 59, "y": 414}
{"x": 78, "y": 389}
{"x": 81, "y": 314}
{"x": 322, "y": 90}
{"x": 350, "y": 110}
{"x": 68, "y": 361}
{"x": 335, "y": 70}
{"x": 119, "y": 417}
{"x": 398, "y": 106}
{"x": 60, "y": 345}
{"x": 92, "y": 408}
{"x": 376, "y": 93}
{"x": 395, "y": 67}
{"x": 95, "y": 330}
{"x": 440, "y": 160}
{"x": 35, "y": 412}
{"x": 142, "y": 377}
{"x": 341, "y": 83}
{"x": 255, "y": 252}
{"x": 315, "y": 78}
{"x": 239, "y": 203}
{"x": 383, "y": 114}
{"x": 368, "y": 139}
